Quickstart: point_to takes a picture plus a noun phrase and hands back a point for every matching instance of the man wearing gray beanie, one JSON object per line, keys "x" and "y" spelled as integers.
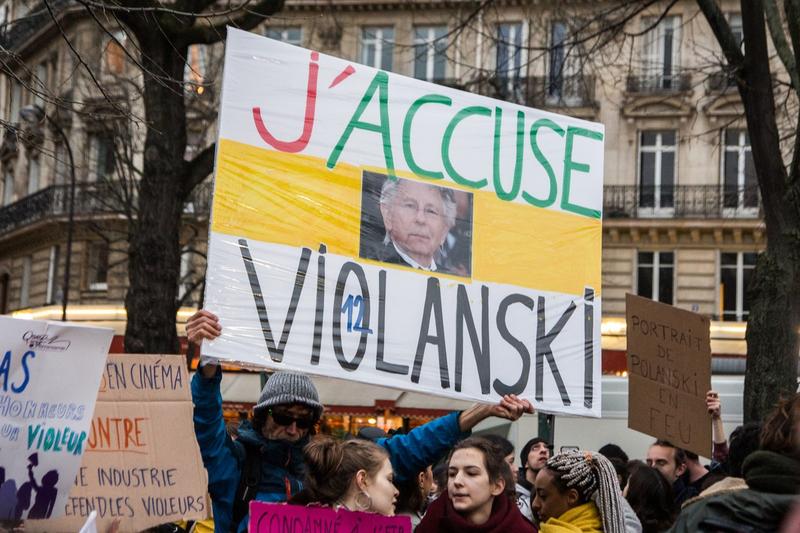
{"x": 283, "y": 421}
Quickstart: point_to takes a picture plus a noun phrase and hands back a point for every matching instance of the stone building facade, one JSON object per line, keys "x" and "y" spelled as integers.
{"x": 682, "y": 221}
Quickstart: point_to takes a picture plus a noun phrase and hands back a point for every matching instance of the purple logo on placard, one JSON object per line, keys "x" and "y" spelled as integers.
{"x": 45, "y": 342}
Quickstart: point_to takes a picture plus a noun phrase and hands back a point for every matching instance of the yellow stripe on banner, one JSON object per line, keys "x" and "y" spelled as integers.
{"x": 296, "y": 200}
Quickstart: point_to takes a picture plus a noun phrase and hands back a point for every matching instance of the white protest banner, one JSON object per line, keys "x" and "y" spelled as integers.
{"x": 382, "y": 229}
{"x": 49, "y": 374}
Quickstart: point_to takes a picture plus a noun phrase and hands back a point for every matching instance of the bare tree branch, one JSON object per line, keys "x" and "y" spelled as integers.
{"x": 198, "y": 169}
{"x": 775, "y": 26}
{"x": 213, "y": 33}
{"x": 97, "y": 83}
{"x": 722, "y": 31}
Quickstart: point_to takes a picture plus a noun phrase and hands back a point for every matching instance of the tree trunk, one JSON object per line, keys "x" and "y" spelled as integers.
{"x": 154, "y": 252}
{"x": 772, "y": 344}
{"x": 772, "y": 338}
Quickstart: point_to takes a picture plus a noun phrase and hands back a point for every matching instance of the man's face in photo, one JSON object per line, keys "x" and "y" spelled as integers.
{"x": 415, "y": 220}
{"x": 538, "y": 456}
{"x": 282, "y": 424}
{"x": 662, "y": 458}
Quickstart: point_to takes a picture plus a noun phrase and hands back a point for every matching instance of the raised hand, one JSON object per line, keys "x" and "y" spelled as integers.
{"x": 203, "y": 325}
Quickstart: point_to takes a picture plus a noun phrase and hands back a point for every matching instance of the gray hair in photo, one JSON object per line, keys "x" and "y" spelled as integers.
{"x": 389, "y": 190}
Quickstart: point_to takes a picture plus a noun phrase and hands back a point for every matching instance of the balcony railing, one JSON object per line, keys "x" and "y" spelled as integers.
{"x": 542, "y": 91}
{"x": 90, "y": 199}
{"x": 681, "y": 201}
{"x": 660, "y": 83}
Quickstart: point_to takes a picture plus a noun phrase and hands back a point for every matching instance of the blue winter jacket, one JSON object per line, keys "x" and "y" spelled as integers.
{"x": 283, "y": 469}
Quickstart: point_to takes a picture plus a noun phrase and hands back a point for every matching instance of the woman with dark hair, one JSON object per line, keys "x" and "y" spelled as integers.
{"x": 650, "y": 495}
{"x": 579, "y": 492}
{"x": 476, "y": 499}
{"x": 354, "y": 474}
{"x": 413, "y": 498}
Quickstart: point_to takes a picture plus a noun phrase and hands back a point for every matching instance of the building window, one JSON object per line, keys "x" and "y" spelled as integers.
{"x": 5, "y": 283}
{"x": 735, "y": 272}
{"x": 739, "y": 182}
{"x": 655, "y": 276}
{"x": 661, "y": 52}
{"x": 53, "y": 290}
{"x": 101, "y": 157}
{"x": 194, "y": 73}
{"x": 8, "y": 185}
{"x": 657, "y": 150}
{"x": 185, "y": 280}
{"x": 98, "y": 266}
{"x": 114, "y": 53}
{"x": 509, "y": 62}
{"x": 290, "y": 35}
{"x": 564, "y": 80}
{"x": 25, "y": 285}
{"x": 555, "y": 79}
{"x": 377, "y": 47}
{"x": 34, "y": 171}
{"x": 52, "y": 71}
{"x": 735, "y": 22}
{"x": 15, "y": 101}
{"x": 60, "y": 163}
{"x": 40, "y": 83}
{"x": 430, "y": 52}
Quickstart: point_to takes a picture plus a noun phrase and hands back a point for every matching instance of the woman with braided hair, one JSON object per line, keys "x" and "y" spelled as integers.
{"x": 578, "y": 492}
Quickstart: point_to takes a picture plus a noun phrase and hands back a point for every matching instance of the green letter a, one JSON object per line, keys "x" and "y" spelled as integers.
{"x": 380, "y": 83}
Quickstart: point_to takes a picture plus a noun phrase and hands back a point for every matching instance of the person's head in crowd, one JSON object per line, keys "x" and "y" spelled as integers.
{"x": 479, "y": 494}
{"x": 621, "y": 468}
{"x": 668, "y": 459}
{"x": 476, "y": 475}
{"x": 694, "y": 469}
{"x": 533, "y": 457}
{"x": 650, "y": 495}
{"x": 414, "y": 493}
{"x": 288, "y": 407}
{"x": 633, "y": 464}
{"x": 417, "y": 217}
{"x": 440, "y": 477}
{"x": 582, "y": 482}
{"x": 356, "y": 474}
{"x": 743, "y": 441}
{"x": 612, "y": 451}
{"x": 779, "y": 432}
{"x": 505, "y": 449}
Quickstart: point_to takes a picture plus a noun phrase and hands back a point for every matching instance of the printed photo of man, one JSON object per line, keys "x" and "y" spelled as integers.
{"x": 415, "y": 225}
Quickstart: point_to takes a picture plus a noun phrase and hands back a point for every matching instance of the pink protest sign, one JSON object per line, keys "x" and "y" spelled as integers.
{"x": 282, "y": 518}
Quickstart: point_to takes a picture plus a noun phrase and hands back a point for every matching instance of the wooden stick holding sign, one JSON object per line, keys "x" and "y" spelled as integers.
{"x": 669, "y": 372}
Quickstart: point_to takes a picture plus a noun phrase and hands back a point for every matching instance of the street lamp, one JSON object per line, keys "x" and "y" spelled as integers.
{"x": 35, "y": 116}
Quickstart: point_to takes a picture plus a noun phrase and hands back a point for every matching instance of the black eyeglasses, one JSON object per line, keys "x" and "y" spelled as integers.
{"x": 283, "y": 419}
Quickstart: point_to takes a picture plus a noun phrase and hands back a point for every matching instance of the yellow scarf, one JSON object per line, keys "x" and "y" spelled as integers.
{"x": 584, "y": 518}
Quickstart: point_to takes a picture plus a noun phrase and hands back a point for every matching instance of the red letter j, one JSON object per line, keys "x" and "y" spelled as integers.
{"x": 311, "y": 100}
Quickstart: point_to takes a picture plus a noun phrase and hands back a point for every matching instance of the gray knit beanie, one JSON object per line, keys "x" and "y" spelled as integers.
{"x": 286, "y": 388}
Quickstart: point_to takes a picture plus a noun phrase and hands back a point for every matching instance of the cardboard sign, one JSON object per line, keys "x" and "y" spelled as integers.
{"x": 281, "y": 518}
{"x": 48, "y": 374}
{"x": 669, "y": 373}
{"x": 142, "y": 464}
{"x": 378, "y": 228}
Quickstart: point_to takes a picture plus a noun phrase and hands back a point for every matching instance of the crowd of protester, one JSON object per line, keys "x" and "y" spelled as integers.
{"x": 447, "y": 480}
